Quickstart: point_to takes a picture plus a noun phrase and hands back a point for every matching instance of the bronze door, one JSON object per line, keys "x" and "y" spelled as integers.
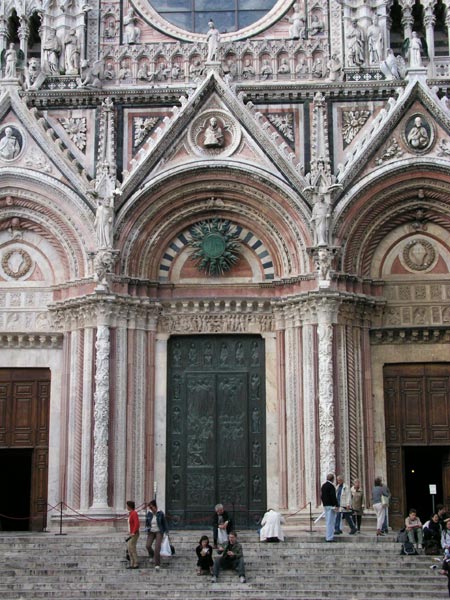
{"x": 24, "y": 424}
{"x": 417, "y": 412}
{"x": 215, "y": 429}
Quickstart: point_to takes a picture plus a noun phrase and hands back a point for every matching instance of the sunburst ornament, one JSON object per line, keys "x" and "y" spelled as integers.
{"x": 216, "y": 246}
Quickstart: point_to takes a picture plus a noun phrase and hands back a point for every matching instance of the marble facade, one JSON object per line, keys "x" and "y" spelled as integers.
{"x": 331, "y": 164}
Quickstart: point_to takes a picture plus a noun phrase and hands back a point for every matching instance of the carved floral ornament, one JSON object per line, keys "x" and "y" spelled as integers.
{"x": 214, "y": 133}
{"x": 16, "y": 263}
{"x": 419, "y": 254}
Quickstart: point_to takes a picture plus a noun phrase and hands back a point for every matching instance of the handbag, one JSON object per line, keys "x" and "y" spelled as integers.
{"x": 165, "y": 546}
{"x": 384, "y": 500}
{"x": 222, "y": 536}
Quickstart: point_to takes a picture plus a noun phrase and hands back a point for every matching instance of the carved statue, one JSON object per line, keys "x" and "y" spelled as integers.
{"x": 33, "y": 74}
{"x": 415, "y": 50}
{"x": 9, "y": 145}
{"x": 248, "y": 70}
{"x": 90, "y": 75}
{"x": 319, "y": 218}
{"x": 213, "y": 39}
{"x": 355, "y": 45}
{"x": 52, "y": 51}
{"x": 335, "y": 68}
{"x": 213, "y": 135}
{"x": 72, "y": 53}
{"x": 317, "y": 25}
{"x": 284, "y": 67}
{"x": 266, "y": 69}
{"x": 297, "y": 28}
{"x": 131, "y": 30}
{"x": 11, "y": 62}
{"x": 418, "y": 137}
{"x": 104, "y": 224}
{"x": 389, "y": 67}
{"x": 375, "y": 42}
{"x": 323, "y": 264}
{"x": 317, "y": 69}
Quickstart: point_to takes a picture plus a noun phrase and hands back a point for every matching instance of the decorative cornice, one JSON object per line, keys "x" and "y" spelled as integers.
{"x": 41, "y": 341}
{"x": 410, "y": 335}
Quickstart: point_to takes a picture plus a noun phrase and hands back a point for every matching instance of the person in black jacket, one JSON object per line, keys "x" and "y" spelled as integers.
{"x": 221, "y": 521}
{"x": 204, "y": 555}
{"x": 330, "y": 503}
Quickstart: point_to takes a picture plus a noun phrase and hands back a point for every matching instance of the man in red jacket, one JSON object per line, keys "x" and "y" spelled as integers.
{"x": 133, "y": 536}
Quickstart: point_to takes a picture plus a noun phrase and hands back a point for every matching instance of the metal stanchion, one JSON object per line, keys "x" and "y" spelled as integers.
{"x": 60, "y": 519}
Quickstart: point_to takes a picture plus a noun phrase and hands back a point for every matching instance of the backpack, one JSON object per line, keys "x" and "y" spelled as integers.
{"x": 432, "y": 548}
{"x": 402, "y": 536}
{"x": 408, "y": 549}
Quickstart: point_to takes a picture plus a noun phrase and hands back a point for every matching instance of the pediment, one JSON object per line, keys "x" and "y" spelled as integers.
{"x": 28, "y": 141}
{"x": 415, "y": 124}
{"x": 213, "y": 125}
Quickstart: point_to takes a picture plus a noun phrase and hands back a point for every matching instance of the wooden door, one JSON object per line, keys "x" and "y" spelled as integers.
{"x": 216, "y": 429}
{"x": 24, "y": 424}
{"x": 417, "y": 413}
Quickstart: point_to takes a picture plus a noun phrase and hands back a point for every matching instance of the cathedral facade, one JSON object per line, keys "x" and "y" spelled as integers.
{"x": 224, "y": 254}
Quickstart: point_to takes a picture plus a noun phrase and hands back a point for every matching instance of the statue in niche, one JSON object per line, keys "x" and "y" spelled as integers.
{"x": 317, "y": 70}
{"x": 131, "y": 30}
{"x": 248, "y": 70}
{"x": 11, "y": 62}
{"x": 335, "y": 68}
{"x": 255, "y": 385}
{"x": 176, "y": 355}
{"x": 418, "y": 137}
{"x": 90, "y": 75}
{"x": 109, "y": 72}
{"x": 52, "y": 51}
{"x": 192, "y": 354}
{"x": 213, "y": 39}
{"x": 124, "y": 71}
{"x": 213, "y": 135}
{"x": 390, "y": 66}
{"x": 323, "y": 264}
{"x": 284, "y": 68}
{"x": 256, "y": 454}
{"x": 256, "y": 420}
{"x": 375, "y": 42}
{"x": 175, "y": 71}
{"x": 176, "y": 387}
{"x": 297, "y": 28}
{"x": 266, "y": 69}
{"x": 317, "y": 25}
{"x": 110, "y": 29}
{"x": 415, "y": 50}
{"x": 196, "y": 69}
{"x": 9, "y": 145}
{"x": 71, "y": 53}
{"x": 319, "y": 218}
{"x": 175, "y": 485}
{"x": 33, "y": 75}
{"x": 355, "y": 45}
{"x": 103, "y": 223}
{"x": 301, "y": 69}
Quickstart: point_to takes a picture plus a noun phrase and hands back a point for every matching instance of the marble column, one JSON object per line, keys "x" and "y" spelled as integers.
{"x": 325, "y": 318}
{"x": 120, "y": 416}
{"x": 272, "y": 421}
{"x": 73, "y": 475}
{"x": 429, "y": 22}
{"x": 160, "y": 416}
{"x": 101, "y": 420}
{"x": 86, "y": 446}
{"x": 310, "y": 425}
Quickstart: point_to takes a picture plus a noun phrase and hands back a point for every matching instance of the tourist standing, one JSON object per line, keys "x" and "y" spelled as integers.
{"x": 133, "y": 535}
{"x": 380, "y": 502}
{"x": 156, "y": 527}
{"x": 358, "y": 503}
{"x": 330, "y": 503}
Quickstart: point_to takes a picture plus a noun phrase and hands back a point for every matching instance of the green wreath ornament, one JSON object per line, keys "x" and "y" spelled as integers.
{"x": 216, "y": 246}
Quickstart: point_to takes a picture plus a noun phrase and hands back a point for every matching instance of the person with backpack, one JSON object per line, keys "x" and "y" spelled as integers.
{"x": 414, "y": 528}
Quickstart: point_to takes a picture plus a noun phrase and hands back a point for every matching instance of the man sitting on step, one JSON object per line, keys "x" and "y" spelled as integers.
{"x": 232, "y": 557}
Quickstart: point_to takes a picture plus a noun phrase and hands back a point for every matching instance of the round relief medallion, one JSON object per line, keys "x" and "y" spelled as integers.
{"x": 11, "y": 142}
{"x": 16, "y": 263}
{"x": 418, "y": 134}
{"x": 214, "y": 133}
{"x": 419, "y": 255}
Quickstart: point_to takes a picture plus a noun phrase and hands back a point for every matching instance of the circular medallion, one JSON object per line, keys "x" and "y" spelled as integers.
{"x": 214, "y": 245}
{"x": 419, "y": 254}
{"x": 16, "y": 263}
{"x": 214, "y": 133}
{"x": 11, "y": 143}
{"x": 418, "y": 134}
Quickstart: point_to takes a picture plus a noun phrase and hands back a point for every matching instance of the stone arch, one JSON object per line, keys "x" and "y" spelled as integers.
{"x": 150, "y": 221}
{"x": 381, "y": 205}
{"x": 53, "y": 222}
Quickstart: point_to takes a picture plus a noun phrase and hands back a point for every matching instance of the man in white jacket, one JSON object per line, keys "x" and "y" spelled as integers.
{"x": 271, "y": 527}
{"x": 344, "y": 497}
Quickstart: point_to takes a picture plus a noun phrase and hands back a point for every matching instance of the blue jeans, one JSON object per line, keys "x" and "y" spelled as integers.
{"x": 348, "y": 517}
{"x": 330, "y": 519}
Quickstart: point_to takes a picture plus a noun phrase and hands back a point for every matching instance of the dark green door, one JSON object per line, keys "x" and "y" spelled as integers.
{"x": 215, "y": 429}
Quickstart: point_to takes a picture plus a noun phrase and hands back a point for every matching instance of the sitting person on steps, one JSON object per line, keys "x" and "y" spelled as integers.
{"x": 414, "y": 528}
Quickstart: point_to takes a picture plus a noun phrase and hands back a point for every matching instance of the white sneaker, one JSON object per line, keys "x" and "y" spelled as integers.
{"x": 242, "y": 579}
{"x": 213, "y": 579}
{"x": 419, "y": 546}
{"x": 157, "y": 567}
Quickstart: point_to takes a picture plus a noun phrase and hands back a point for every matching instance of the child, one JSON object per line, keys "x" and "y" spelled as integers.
{"x": 414, "y": 528}
{"x": 204, "y": 553}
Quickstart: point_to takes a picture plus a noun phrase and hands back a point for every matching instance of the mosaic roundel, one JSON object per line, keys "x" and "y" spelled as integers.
{"x": 16, "y": 263}
{"x": 419, "y": 254}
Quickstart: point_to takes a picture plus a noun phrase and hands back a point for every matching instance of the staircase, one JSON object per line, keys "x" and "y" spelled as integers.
{"x": 90, "y": 565}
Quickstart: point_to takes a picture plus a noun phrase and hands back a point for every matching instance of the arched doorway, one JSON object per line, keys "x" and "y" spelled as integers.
{"x": 215, "y": 428}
